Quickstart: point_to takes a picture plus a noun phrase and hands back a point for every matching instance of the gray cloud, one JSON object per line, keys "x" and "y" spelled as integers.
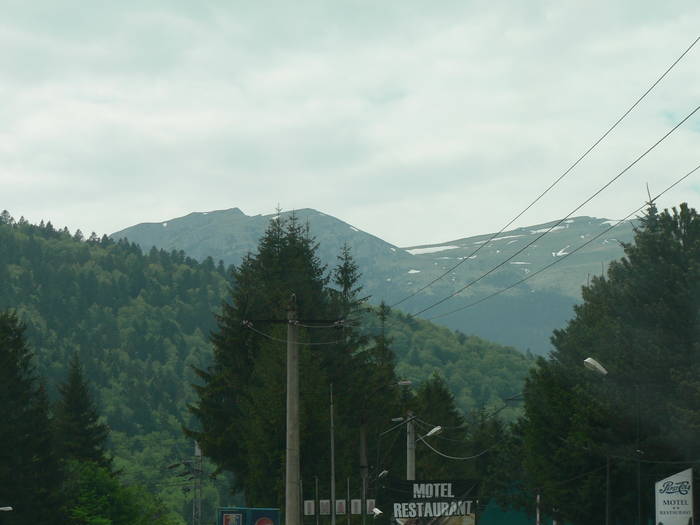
{"x": 417, "y": 123}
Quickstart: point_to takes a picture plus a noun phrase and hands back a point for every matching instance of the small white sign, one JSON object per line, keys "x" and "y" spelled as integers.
{"x": 324, "y": 507}
{"x": 674, "y": 499}
{"x": 370, "y": 506}
{"x": 340, "y": 506}
{"x": 309, "y": 507}
{"x": 356, "y": 506}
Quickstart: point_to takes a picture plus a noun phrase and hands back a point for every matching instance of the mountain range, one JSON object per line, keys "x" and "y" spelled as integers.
{"x": 523, "y": 316}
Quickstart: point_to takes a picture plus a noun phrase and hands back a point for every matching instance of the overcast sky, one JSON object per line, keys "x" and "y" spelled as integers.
{"x": 416, "y": 121}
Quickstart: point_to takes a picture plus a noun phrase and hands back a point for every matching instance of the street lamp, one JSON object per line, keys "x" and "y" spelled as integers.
{"x": 433, "y": 432}
{"x": 5, "y": 509}
{"x": 595, "y": 366}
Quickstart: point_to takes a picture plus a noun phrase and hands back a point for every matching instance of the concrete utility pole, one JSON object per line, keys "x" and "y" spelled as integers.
{"x": 332, "y": 462}
{"x": 410, "y": 447}
{"x": 197, "y": 496}
{"x": 292, "y": 486}
{"x": 364, "y": 470}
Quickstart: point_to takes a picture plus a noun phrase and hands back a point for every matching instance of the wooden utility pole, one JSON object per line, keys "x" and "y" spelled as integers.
{"x": 292, "y": 474}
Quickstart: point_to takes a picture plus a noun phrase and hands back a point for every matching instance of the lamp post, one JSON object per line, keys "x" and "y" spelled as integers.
{"x": 595, "y": 366}
{"x": 292, "y": 467}
{"x": 411, "y": 447}
{"x": 364, "y": 468}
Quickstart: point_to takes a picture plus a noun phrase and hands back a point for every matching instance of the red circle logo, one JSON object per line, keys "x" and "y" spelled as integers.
{"x": 264, "y": 521}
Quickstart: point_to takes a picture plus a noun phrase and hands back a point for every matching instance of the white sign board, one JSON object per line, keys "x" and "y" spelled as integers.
{"x": 674, "y": 499}
{"x": 309, "y": 507}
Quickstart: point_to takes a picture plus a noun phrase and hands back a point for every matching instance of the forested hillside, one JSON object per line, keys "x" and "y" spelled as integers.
{"x": 140, "y": 322}
{"x": 479, "y": 373}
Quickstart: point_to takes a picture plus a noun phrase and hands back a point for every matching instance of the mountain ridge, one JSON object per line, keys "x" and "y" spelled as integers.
{"x": 531, "y": 310}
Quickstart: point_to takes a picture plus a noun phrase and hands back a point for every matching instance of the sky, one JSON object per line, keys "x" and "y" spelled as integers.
{"x": 419, "y": 122}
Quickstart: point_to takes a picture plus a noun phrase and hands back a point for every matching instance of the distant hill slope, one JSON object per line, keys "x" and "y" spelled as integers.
{"x": 523, "y": 317}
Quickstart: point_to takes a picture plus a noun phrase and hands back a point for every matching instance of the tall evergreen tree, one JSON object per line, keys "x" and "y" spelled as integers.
{"x": 242, "y": 394}
{"x": 241, "y": 403}
{"x": 80, "y": 434}
{"x": 29, "y": 470}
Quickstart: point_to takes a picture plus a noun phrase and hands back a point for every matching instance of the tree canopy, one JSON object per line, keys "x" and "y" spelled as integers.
{"x": 29, "y": 467}
{"x": 241, "y": 405}
{"x": 641, "y": 323}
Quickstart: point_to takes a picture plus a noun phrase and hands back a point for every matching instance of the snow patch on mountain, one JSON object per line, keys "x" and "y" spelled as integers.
{"x": 561, "y": 252}
{"x": 413, "y": 271}
{"x": 430, "y": 249}
{"x": 543, "y": 230}
{"x": 506, "y": 237}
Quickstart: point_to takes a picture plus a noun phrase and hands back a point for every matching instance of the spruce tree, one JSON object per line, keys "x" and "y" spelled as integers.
{"x": 242, "y": 396}
{"x": 241, "y": 404}
{"x": 29, "y": 471}
{"x": 80, "y": 434}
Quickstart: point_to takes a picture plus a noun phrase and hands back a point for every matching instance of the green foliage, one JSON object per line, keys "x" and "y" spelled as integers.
{"x": 140, "y": 323}
{"x": 92, "y": 495}
{"x": 479, "y": 373}
{"x": 641, "y": 323}
{"x": 29, "y": 469}
{"x": 244, "y": 388}
{"x": 80, "y": 434}
{"x": 136, "y": 322}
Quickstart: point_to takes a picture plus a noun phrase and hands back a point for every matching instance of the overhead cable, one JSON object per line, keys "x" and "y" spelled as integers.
{"x": 459, "y": 458}
{"x": 558, "y": 260}
{"x": 557, "y": 223}
{"x": 250, "y": 327}
{"x": 569, "y": 169}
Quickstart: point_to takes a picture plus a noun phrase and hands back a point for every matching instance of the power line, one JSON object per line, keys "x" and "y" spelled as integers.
{"x": 427, "y": 424}
{"x": 557, "y": 223}
{"x": 459, "y": 458}
{"x": 579, "y": 476}
{"x": 585, "y": 154}
{"x": 335, "y": 324}
{"x": 657, "y": 461}
{"x": 250, "y": 327}
{"x": 558, "y": 260}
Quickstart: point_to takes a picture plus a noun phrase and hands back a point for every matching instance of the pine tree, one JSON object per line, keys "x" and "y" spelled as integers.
{"x": 80, "y": 434}
{"x": 29, "y": 471}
